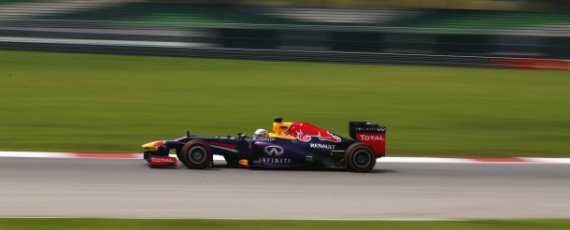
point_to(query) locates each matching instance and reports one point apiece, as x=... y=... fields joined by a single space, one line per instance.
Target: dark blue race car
x=291 y=145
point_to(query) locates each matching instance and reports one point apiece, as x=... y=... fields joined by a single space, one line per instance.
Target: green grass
x=122 y=224
x=107 y=103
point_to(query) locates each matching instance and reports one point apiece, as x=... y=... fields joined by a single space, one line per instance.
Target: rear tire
x=196 y=154
x=360 y=157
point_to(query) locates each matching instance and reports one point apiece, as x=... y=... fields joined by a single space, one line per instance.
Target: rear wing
x=371 y=134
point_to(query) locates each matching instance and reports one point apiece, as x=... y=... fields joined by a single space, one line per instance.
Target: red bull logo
x=305 y=132
x=159 y=144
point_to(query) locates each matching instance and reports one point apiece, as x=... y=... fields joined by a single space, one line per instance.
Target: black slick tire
x=360 y=157
x=196 y=154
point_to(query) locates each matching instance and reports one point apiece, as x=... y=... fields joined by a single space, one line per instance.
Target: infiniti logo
x=273 y=150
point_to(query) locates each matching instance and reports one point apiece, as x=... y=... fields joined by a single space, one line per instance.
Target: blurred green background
x=111 y=103
x=425 y=15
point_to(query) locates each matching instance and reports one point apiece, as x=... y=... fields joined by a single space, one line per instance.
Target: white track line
x=34 y=154
x=512 y=160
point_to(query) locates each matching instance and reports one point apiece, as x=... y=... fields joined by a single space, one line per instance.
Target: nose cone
x=149 y=145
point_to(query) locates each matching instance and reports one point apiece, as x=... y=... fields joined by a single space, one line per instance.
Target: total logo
x=364 y=137
x=274 y=150
x=161 y=160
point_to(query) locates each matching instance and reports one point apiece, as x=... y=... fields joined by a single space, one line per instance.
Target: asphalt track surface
x=123 y=188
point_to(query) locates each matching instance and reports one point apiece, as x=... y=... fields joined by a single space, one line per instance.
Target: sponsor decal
x=370 y=137
x=274 y=150
x=322 y=146
x=275 y=160
x=381 y=129
x=307 y=132
x=266 y=139
x=161 y=160
x=159 y=144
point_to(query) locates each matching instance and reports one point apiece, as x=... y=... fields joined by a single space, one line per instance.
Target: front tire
x=196 y=154
x=360 y=157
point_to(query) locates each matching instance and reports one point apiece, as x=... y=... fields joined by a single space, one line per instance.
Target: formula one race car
x=292 y=145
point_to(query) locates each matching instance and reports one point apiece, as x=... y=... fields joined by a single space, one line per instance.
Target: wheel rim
x=197 y=154
x=361 y=159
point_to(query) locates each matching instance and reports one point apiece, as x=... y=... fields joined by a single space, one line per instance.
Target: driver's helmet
x=260 y=133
